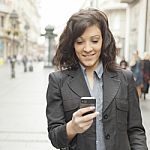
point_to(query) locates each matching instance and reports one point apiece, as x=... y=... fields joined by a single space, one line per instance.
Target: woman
x=86 y=59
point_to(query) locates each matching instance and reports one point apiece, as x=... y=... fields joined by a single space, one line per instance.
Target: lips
x=88 y=55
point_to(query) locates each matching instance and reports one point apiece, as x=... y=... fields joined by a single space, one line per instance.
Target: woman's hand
x=80 y=122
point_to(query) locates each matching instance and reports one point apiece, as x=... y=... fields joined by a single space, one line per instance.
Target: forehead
x=91 y=31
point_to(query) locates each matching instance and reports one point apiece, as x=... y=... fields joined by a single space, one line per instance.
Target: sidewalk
x=23 y=124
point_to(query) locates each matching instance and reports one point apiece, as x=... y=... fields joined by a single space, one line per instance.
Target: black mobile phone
x=87 y=102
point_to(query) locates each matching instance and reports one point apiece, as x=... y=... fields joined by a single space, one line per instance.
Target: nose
x=87 y=47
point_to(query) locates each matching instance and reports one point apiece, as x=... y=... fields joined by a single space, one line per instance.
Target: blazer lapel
x=78 y=84
x=111 y=86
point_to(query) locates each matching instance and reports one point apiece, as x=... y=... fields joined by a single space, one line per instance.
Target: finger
x=82 y=111
x=89 y=117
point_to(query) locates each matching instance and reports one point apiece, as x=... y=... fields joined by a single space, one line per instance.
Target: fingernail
x=97 y=113
x=92 y=107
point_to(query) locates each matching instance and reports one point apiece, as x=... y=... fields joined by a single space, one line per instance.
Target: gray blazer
x=123 y=129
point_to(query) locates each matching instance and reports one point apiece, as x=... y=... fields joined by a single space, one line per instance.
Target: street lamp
x=50 y=36
x=14 y=25
x=13 y=18
x=26 y=27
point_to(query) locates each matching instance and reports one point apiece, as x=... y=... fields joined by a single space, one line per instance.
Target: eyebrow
x=93 y=36
x=96 y=36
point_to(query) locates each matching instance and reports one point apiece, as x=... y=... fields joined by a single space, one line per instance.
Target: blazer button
x=105 y=116
x=107 y=137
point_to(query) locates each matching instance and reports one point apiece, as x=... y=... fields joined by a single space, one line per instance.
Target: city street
x=23 y=124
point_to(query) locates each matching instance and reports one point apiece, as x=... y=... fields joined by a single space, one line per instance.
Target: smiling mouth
x=88 y=55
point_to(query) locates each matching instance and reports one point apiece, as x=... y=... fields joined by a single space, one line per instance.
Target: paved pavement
x=23 y=123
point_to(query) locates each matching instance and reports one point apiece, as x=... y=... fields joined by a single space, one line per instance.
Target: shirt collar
x=99 y=70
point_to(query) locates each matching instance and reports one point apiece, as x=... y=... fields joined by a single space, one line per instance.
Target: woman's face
x=88 y=47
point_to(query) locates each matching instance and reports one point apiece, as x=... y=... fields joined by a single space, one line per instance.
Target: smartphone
x=87 y=102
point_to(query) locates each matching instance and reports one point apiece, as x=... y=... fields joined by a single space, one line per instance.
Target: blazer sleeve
x=136 y=131
x=55 y=113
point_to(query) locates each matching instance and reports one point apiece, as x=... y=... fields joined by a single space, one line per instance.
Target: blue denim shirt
x=97 y=92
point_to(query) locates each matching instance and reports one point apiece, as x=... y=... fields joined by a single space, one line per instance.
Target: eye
x=95 y=41
x=79 y=42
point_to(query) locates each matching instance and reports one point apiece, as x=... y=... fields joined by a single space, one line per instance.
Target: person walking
x=136 y=68
x=146 y=74
x=25 y=61
x=12 y=65
x=85 y=59
x=124 y=64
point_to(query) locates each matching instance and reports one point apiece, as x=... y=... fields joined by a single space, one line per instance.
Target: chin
x=88 y=64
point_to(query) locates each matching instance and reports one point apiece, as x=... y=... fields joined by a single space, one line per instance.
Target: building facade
x=137 y=27
x=20 y=38
x=4 y=9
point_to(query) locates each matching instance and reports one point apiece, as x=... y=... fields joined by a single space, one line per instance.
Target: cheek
x=98 y=47
x=77 y=50
x=98 y=50
x=77 y=53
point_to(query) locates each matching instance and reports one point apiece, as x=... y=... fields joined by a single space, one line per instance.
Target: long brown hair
x=65 y=55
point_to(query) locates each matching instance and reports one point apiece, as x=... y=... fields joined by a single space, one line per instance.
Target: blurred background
x=29 y=33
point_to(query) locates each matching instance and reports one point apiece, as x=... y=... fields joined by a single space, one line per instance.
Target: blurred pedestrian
x=30 y=60
x=146 y=74
x=25 y=61
x=85 y=58
x=136 y=68
x=123 y=64
x=12 y=65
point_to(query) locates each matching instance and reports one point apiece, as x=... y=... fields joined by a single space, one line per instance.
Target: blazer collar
x=111 y=85
x=78 y=84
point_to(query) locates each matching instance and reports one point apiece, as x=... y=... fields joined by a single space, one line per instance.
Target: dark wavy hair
x=65 y=57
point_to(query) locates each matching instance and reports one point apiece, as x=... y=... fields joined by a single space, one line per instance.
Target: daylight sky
x=57 y=12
